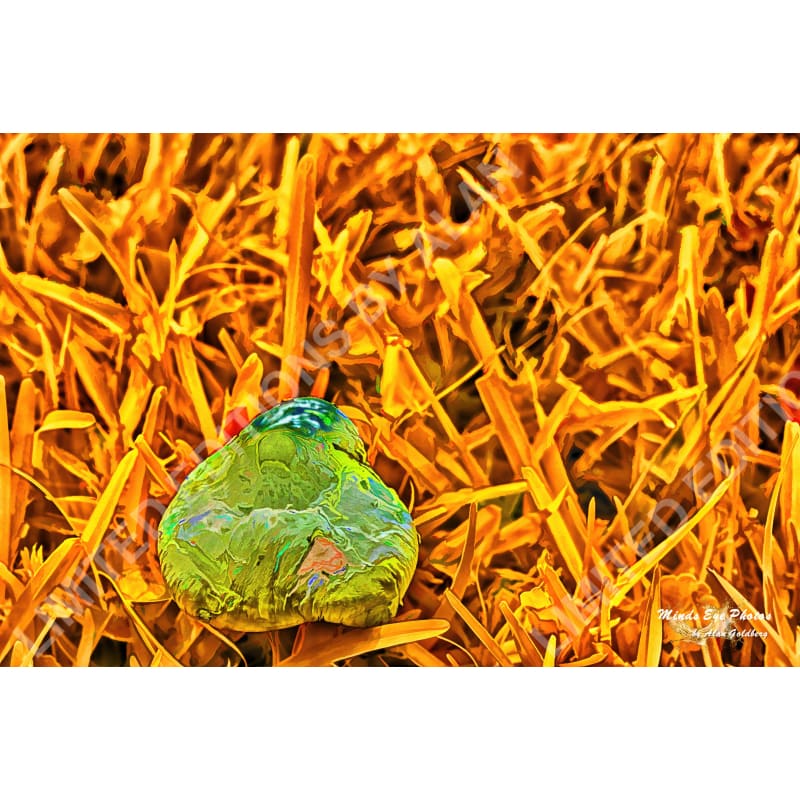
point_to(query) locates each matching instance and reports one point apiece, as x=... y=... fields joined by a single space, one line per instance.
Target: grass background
x=549 y=339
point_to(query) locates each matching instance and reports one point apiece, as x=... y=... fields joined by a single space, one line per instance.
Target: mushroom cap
x=288 y=523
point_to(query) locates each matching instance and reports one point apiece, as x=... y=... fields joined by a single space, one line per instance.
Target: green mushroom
x=288 y=523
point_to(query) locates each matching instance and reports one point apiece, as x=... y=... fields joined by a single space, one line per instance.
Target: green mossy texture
x=234 y=538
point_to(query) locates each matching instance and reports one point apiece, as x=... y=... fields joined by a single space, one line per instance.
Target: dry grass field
x=573 y=356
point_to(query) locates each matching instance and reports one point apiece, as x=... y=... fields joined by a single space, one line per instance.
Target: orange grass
x=567 y=353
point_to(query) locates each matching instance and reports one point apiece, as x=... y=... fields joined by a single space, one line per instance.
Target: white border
x=359 y=65
x=401 y=732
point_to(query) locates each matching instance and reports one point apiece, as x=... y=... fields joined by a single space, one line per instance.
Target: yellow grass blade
x=649 y=653
x=47 y=577
x=420 y=656
x=550 y=652
x=98 y=388
x=589 y=661
x=631 y=576
x=555 y=521
x=87 y=641
x=298 y=275
x=786 y=649
x=11 y=581
x=357 y=642
x=223 y=638
x=100 y=520
x=65 y=419
x=528 y=653
x=156 y=468
x=187 y=367
x=95 y=230
x=447 y=502
x=106 y=312
x=462 y=575
x=151 y=643
x=5 y=479
x=483 y=635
